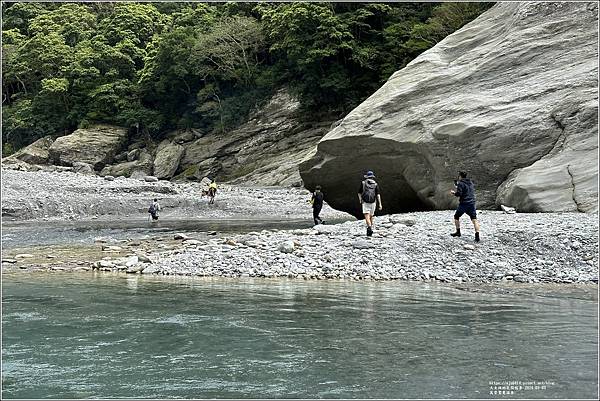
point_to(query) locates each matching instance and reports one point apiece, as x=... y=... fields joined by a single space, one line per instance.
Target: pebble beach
x=519 y=247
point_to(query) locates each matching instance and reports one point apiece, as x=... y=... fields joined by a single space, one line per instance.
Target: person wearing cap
x=465 y=191
x=369 y=197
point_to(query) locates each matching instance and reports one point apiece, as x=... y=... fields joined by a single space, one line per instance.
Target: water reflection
x=136 y=336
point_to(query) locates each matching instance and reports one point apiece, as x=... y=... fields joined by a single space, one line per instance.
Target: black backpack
x=152 y=209
x=369 y=191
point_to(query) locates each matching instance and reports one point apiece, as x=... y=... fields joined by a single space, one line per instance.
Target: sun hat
x=369 y=174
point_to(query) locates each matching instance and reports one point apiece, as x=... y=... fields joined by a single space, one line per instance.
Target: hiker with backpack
x=465 y=190
x=317 y=204
x=154 y=209
x=369 y=197
x=212 y=191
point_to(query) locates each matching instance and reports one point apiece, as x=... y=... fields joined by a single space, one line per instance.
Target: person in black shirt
x=465 y=190
x=317 y=204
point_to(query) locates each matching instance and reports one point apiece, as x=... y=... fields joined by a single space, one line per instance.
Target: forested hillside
x=154 y=67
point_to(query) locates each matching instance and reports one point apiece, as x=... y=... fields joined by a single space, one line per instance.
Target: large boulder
x=166 y=161
x=96 y=145
x=512 y=98
x=35 y=153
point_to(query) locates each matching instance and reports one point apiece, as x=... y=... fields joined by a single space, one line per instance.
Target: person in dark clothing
x=317 y=204
x=465 y=191
x=154 y=209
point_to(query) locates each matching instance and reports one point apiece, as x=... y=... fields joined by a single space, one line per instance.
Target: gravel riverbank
x=44 y=195
x=527 y=248
x=522 y=248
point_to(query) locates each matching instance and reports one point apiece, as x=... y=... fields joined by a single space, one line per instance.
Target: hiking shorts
x=468 y=208
x=369 y=208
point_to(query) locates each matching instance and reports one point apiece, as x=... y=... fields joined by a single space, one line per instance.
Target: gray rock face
x=36 y=153
x=83 y=168
x=143 y=165
x=511 y=98
x=166 y=161
x=265 y=150
x=96 y=146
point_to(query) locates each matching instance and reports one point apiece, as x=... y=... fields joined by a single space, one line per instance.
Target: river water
x=99 y=335
x=42 y=233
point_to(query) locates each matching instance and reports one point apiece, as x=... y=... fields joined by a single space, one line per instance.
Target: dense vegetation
x=158 y=66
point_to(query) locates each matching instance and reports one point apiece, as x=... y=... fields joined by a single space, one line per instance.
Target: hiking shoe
x=476 y=237
x=456 y=234
x=369 y=231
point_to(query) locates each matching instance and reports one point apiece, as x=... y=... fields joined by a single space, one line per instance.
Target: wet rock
x=521 y=279
x=6 y=260
x=180 y=236
x=150 y=178
x=104 y=263
x=469 y=247
x=136 y=269
x=151 y=270
x=109 y=178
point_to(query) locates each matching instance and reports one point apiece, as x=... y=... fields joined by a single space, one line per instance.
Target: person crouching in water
x=465 y=190
x=154 y=209
x=317 y=204
x=368 y=195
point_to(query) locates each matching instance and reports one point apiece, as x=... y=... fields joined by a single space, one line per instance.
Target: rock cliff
x=512 y=98
x=266 y=150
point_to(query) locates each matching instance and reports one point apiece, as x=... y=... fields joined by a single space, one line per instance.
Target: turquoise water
x=108 y=336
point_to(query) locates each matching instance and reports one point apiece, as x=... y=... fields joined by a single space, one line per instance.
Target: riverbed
x=104 y=335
